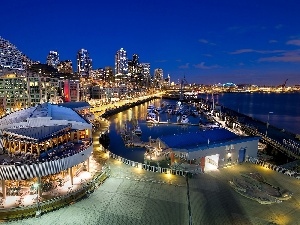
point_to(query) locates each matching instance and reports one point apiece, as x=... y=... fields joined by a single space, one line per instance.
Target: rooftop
x=75 y=105
x=56 y=112
x=38 y=133
x=199 y=139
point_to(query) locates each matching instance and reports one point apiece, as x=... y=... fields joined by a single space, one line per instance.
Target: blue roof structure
x=75 y=105
x=64 y=113
x=199 y=138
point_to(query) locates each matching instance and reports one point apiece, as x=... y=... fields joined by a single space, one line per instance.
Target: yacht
x=184 y=119
x=208 y=125
x=195 y=112
x=158 y=110
x=150 y=108
x=137 y=130
x=151 y=117
x=170 y=111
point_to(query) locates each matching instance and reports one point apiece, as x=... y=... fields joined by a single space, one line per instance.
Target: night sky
x=208 y=41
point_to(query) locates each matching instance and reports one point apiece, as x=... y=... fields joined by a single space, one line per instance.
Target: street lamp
x=38 y=211
x=268 y=122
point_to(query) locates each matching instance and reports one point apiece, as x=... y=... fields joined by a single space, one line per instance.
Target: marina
x=199 y=113
x=147 y=147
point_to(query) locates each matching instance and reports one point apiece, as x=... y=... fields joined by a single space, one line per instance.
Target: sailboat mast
x=213 y=100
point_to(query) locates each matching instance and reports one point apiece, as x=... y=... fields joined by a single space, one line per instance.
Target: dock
x=277 y=138
x=172 y=123
x=130 y=139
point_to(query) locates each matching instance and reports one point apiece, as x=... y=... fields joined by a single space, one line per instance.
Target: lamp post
x=268 y=122
x=38 y=211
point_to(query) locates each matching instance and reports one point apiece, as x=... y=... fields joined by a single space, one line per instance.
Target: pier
x=279 y=139
x=167 y=122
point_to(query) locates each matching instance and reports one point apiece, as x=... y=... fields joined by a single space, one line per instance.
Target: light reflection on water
x=139 y=113
x=285 y=107
x=286 y=116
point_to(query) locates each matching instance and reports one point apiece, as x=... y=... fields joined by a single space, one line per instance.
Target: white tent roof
x=55 y=112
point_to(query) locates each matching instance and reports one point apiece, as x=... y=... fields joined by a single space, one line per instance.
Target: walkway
x=134 y=196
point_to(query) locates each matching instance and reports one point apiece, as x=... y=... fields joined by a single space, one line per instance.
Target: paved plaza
x=134 y=196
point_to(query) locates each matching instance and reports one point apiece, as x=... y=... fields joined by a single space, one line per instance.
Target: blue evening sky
x=208 y=41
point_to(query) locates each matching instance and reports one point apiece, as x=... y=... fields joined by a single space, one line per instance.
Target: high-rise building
x=65 y=66
x=121 y=66
x=158 y=77
x=146 y=74
x=71 y=90
x=97 y=74
x=53 y=59
x=133 y=65
x=109 y=75
x=84 y=63
x=11 y=57
x=135 y=60
x=167 y=81
x=22 y=91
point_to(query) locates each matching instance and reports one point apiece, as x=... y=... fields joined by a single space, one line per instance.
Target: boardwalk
x=133 y=196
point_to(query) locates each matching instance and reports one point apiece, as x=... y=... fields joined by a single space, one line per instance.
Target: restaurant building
x=42 y=144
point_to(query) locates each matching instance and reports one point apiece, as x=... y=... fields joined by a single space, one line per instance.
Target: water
x=285 y=107
x=139 y=113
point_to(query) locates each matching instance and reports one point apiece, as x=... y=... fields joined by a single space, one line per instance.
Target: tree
x=2 y=110
x=17 y=105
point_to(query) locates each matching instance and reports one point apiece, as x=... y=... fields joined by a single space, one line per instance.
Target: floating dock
x=166 y=122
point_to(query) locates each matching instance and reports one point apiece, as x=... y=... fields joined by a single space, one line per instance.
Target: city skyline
x=207 y=42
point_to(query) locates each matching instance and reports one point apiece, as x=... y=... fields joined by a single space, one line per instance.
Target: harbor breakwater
x=112 y=111
x=279 y=139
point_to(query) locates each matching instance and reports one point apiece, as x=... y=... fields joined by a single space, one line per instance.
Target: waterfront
x=285 y=107
x=144 y=194
x=138 y=113
x=118 y=121
x=133 y=196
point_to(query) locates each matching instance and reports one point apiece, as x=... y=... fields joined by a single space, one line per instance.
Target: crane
x=182 y=83
x=283 y=86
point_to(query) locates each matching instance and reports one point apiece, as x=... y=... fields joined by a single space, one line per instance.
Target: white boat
x=170 y=111
x=137 y=130
x=150 y=108
x=158 y=109
x=184 y=119
x=151 y=117
x=209 y=126
x=195 y=112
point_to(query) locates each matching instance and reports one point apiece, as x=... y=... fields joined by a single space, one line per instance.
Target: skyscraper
x=121 y=66
x=135 y=59
x=65 y=66
x=158 y=77
x=53 y=59
x=108 y=74
x=146 y=74
x=11 y=57
x=84 y=63
x=133 y=72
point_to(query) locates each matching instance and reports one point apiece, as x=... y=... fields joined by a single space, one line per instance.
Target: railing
x=287 y=147
x=56 y=202
x=149 y=167
x=271 y=166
